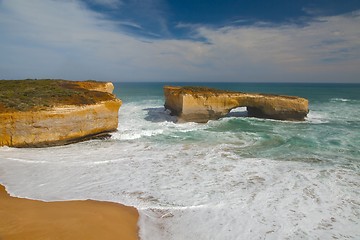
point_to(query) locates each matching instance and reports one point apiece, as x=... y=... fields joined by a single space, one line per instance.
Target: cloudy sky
x=181 y=40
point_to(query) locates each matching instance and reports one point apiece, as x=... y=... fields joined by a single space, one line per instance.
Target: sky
x=181 y=40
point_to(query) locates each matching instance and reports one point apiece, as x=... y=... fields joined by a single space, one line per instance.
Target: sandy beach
x=31 y=219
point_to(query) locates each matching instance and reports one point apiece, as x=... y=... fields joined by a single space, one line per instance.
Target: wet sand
x=31 y=219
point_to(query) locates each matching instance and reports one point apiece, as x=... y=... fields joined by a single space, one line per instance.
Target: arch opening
x=238 y=112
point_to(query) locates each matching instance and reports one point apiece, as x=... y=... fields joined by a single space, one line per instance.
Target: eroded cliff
x=37 y=113
x=198 y=104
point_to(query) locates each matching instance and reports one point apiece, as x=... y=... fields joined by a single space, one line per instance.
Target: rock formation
x=198 y=104
x=55 y=112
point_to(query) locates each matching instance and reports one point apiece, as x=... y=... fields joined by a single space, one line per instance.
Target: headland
x=40 y=113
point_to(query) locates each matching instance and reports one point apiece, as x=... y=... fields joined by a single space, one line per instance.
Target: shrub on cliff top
x=23 y=95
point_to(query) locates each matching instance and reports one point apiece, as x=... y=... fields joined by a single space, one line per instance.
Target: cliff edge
x=200 y=104
x=40 y=113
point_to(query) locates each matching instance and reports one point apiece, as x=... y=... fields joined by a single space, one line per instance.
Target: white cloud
x=64 y=39
x=114 y=4
x=332 y=41
x=130 y=24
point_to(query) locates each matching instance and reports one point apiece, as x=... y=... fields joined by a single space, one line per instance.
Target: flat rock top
x=26 y=95
x=196 y=90
x=207 y=92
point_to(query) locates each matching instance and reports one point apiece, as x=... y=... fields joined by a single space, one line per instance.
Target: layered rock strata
x=198 y=104
x=73 y=112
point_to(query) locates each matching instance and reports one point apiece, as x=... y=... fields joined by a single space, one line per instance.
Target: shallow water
x=235 y=178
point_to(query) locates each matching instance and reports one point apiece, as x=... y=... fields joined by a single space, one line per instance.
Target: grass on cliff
x=205 y=92
x=196 y=89
x=202 y=91
x=23 y=95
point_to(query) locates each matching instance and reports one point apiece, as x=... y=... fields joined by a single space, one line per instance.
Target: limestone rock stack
x=198 y=104
x=73 y=112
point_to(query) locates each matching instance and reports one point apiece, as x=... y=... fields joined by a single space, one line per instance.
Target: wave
x=316 y=117
x=340 y=100
x=344 y=100
x=26 y=160
x=132 y=135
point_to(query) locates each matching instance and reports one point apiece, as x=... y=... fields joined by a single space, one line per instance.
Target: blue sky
x=181 y=40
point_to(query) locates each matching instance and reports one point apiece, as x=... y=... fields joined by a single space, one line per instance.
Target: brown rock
x=91 y=111
x=197 y=104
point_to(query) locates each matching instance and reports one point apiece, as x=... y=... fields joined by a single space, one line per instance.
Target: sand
x=31 y=219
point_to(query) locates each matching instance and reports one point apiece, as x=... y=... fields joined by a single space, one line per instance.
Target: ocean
x=234 y=178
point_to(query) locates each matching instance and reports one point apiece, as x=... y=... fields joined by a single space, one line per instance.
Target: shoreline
x=23 y=218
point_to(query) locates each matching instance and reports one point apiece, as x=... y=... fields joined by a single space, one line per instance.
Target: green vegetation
x=206 y=92
x=202 y=91
x=24 y=95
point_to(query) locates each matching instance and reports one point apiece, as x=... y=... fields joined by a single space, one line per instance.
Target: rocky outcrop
x=95 y=86
x=88 y=110
x=198 y=104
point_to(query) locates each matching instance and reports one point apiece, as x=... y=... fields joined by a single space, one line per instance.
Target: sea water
x=234 y=178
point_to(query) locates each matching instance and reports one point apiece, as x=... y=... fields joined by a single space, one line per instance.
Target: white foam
x=340 y=100
x=288 y=204
x=131 y=135
x=317 y=117
x=26 y=160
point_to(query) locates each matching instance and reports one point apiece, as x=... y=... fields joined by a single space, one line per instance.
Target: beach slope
x=31 y=219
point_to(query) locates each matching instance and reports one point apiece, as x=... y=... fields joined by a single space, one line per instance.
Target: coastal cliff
x=39 y=113
x=199 y=104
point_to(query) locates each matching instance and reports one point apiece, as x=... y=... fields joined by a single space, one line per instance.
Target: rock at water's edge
x=92 y=111
x=198 y=104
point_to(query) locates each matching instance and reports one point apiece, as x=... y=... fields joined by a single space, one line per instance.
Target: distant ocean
x=234 y=178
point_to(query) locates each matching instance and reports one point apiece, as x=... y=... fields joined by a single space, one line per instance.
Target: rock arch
x=199 y=104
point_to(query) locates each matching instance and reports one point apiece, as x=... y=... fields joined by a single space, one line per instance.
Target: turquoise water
x=234 y=178
x=331 y=135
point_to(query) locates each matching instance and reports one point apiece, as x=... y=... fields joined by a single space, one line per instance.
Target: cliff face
x=76 y=119
x=203 y=104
